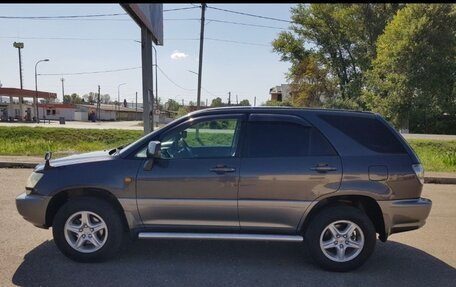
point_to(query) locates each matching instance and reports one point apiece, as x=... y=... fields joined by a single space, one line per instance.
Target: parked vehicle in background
x=330 y=178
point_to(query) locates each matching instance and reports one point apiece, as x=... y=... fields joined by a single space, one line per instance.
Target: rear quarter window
x=369 y=132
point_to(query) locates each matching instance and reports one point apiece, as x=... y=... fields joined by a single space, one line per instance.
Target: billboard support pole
x=147 y=79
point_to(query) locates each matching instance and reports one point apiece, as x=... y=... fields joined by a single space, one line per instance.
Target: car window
x=206 y=139
x=284 y=139
x=371 y=133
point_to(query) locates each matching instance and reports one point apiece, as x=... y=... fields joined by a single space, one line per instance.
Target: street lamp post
x=118 y=97
x=36 y=90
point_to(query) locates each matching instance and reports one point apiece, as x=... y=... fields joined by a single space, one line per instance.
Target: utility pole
x=206 y=103
x=200 y=68
x=19 y=46
x=63 y=88
x=229 y=98
x=98 y=103
x=254 y=102
x=237 y=103
x=182 y=102
x=136 y=117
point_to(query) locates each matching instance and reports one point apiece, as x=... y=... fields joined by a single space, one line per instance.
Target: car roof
x=292 y=110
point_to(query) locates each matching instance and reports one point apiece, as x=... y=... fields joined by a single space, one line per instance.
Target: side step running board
x=219 y=236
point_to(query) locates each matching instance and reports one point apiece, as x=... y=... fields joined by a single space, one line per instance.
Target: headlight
x=32 y=181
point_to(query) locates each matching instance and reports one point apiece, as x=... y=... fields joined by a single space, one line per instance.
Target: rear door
x=286 y=164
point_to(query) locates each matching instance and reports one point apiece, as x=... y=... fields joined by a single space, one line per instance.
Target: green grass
x=35 y=141
x=436 y=155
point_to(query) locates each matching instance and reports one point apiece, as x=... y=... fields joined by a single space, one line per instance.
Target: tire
x=93 y=246
x=351 y=251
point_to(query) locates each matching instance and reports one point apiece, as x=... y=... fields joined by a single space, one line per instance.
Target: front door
x=195 y=182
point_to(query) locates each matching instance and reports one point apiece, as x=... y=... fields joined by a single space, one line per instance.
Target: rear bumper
x=404 y=215
x=33 y=208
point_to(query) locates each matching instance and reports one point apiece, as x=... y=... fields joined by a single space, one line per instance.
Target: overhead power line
x=183 y=8
x=251 y=15
x=67 y=38
x=169 y=79
x=212 y=94
x=245 y=24
x=63 y=17
x=236 y=42
x=93 y=72
x=218 y=40
x=169 y=19
x=85 y=16
x=125 y=39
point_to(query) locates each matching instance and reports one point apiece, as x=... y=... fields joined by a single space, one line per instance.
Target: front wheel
x=88 y=229
x=340 y=238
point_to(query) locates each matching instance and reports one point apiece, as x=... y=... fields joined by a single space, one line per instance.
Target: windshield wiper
x=116 y=150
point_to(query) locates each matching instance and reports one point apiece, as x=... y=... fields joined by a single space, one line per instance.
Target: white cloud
x=176 y=55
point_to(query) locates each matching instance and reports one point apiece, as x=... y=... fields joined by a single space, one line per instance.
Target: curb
x=440 y=180
x=18 y=164
x=427 y=179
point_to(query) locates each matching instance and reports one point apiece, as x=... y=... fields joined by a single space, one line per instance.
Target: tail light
x=419 y=171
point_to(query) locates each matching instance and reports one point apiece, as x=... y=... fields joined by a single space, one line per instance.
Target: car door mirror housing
x=153 y=149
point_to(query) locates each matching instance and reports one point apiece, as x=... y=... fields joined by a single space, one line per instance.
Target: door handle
x=222 y=169
x=323 y=167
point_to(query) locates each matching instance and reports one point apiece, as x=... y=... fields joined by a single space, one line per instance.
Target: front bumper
x=33 y=208
x=404 y=215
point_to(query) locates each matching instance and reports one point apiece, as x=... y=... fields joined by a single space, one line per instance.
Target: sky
x=236 y=58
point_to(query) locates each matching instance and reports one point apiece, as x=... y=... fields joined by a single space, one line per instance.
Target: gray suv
x=332 y=179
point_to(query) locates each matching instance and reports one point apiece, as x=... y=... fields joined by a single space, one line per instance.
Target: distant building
x=112 y=112
x=279 y=93
x=17 y=104
x=54 y=111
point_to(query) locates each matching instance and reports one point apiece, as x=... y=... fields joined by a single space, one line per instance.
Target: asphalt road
x=29 y=257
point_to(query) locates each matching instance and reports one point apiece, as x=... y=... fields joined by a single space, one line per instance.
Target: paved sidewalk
x=32 y=161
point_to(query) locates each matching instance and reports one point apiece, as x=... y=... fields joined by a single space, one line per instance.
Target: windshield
x=144 y=139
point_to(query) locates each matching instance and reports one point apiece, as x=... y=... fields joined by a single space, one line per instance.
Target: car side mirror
x=153 y=149
x=152 y=152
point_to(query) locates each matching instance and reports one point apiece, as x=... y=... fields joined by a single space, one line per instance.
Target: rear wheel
x=88 y=229
x=340 y=238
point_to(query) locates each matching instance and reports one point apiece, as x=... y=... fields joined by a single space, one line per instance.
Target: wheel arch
x=59 y=199
x=364 y=203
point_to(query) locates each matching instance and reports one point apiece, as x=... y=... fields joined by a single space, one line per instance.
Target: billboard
x=150 y=16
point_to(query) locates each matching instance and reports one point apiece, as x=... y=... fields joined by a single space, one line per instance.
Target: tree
x=283 y=103
x=172 y=105
x=72 y=99
x=330 y=46
x=217 y=102
x=90 y=97
x=66 y=99
x=182 y=111
x=413 y=75
x=105 y=99
x=244 y=103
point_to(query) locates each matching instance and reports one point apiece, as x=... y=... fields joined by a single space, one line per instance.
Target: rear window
x=371 y=133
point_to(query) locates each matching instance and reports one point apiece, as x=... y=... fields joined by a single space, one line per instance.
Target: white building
x=280 y=93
